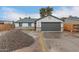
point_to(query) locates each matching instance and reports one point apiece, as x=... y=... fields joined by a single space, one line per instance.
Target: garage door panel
x=51 y=26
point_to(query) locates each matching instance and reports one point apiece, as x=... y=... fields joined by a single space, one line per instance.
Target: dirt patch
x=15 y=39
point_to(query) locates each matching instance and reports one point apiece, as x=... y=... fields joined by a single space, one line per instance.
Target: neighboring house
x=47 y=23
x=71 y=19
x=25 y=23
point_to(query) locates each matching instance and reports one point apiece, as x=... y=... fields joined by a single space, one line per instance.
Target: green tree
x=42 y=12
x=49 y=10
x=45 y=11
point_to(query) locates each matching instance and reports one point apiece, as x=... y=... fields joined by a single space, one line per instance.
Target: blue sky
x=26 y=9
x=14 y=12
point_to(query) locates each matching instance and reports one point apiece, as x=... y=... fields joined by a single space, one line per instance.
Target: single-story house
x=47 y=23
x=25 y=23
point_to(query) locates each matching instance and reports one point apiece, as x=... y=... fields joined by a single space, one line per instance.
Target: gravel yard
x=62 y=42
x=15 y=39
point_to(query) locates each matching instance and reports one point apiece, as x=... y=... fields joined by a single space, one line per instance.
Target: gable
x=50 y=19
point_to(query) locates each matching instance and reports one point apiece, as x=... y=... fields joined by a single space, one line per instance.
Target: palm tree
x=42 y=12
x=49 y=10
x=45 y=11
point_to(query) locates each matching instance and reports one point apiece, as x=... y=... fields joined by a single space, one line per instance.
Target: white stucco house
x=47 y=23
x=25 y=23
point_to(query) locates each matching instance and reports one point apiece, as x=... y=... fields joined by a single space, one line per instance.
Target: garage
x=49 y=23
x=50 y=26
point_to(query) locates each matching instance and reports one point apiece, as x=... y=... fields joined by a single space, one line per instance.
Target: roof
x=71 y=18
x=58 y=19
x=51 y=16
x=32 y=20
x=27 y=20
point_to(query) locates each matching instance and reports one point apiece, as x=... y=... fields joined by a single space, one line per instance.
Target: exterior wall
x=32 y=25
x=16 y=24
x=27 y=25
x=62 y=27
x=38 y=24
x=24 y=24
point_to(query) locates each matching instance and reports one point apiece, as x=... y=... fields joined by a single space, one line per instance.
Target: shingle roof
x=27 y=20
x=72 y=18
x=69 y=19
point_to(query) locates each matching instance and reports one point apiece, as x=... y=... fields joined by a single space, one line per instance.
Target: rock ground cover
x=15 y=39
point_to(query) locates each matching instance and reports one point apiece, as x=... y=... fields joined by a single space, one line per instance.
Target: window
x=20 y=24
x=29 y=24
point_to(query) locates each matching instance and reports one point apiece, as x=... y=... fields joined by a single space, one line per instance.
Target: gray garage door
x=51 y=26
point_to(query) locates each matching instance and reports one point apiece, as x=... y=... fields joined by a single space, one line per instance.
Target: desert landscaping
x=31 y=41
x=16 y=39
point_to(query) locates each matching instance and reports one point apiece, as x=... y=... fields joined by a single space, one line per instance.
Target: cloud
x=34 y=15
x=67 y=11
x=13 y=14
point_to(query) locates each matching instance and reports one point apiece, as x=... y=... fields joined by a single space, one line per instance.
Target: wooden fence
x=71 y=27
x=6 y=27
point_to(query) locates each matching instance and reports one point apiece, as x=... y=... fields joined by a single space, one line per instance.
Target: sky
x=12 y=13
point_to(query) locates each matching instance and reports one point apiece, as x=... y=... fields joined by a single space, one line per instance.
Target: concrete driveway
x=62 y=42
